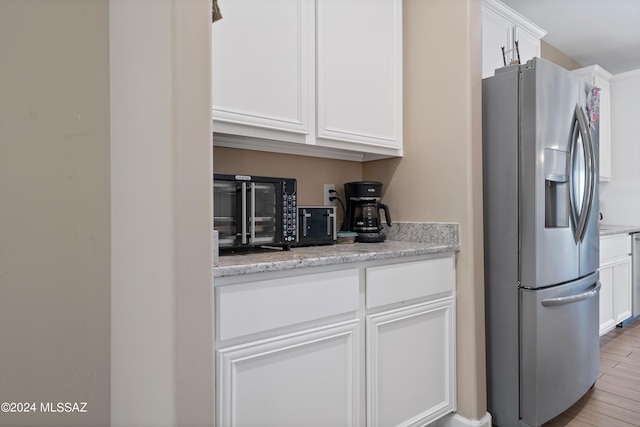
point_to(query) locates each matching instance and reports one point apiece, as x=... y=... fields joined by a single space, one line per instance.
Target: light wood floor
x=615 y=399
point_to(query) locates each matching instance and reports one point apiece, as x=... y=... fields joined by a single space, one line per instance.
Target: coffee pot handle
x=387 y=216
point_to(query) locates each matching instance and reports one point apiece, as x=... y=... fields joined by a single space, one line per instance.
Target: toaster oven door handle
x=244 y=214
x=329 y=227
x=253 y=212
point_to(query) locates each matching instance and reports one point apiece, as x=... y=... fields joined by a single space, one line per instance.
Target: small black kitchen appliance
x=362 y=212
x=254 y=211
x=316 y=225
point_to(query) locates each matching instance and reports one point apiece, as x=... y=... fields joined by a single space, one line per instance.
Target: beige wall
x=440 y=176
x=311 y=172
x=161 y=201
x=552 y=54
x=54 y=209
x=105 y=214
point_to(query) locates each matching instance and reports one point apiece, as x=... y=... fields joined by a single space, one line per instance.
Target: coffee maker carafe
x=363 y=210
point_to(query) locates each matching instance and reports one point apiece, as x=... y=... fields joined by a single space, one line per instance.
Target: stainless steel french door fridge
x=540 y=168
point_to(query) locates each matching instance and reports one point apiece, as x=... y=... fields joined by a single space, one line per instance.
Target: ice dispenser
x=556 y=197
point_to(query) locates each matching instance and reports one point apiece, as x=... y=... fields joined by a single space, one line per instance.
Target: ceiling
x=602 y=32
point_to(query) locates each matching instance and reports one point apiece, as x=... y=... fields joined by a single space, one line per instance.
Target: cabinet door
x=410 y=364
x=359 y=73
x=497 y=32
x=309 y=379
x=528 y=44
x=622 y=289
x=605 y=126
x=261 y=67
x=607 y=319
x=599 y=77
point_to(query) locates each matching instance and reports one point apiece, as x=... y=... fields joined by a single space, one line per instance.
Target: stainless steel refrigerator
x=540 y=169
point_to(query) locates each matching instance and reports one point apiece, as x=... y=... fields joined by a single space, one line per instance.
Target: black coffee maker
x=362 y=212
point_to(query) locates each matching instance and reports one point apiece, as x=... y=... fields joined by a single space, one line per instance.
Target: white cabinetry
x=503 y=27
x=319 y=79
x=288 y=350
x=615 y=278
x=291 y=347
x=305 y=379
x=261 y=68
x=360 y=73
x=599 y=77
x=410 y=349
x=409 y=364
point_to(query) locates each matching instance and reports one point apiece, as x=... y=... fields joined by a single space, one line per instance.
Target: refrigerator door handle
x=551 y=302
x=573 y=201
x=581 y=172
x=590 y=159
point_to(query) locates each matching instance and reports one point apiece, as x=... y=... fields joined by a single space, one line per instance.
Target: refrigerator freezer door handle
x=550 y=302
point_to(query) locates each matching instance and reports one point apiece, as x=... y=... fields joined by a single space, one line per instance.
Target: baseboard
x=457 y=420
x=629 y=320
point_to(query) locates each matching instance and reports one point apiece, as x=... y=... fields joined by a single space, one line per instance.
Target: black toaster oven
x=250 y=211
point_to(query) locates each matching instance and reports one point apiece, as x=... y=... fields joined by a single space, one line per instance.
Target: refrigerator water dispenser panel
x=556 y=193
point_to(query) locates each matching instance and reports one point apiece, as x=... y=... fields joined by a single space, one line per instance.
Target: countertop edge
x=311 y=259
x=612 y=229
x=404 y=240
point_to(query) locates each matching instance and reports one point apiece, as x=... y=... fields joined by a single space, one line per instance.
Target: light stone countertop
x=407 y=240
x=313 y=256
x=610 y=230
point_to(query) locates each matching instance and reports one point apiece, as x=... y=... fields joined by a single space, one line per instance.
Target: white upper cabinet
x=599 y=77
x=503 y=27
x=359 y=73
x=262 y=68
x=497 y=31
x=320 y=78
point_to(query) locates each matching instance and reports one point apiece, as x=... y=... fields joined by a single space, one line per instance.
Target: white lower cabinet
x=308 y=378
x=409 y=364
x=622 y=289
x=372 y=344
x=615 y=278
x=607 y=319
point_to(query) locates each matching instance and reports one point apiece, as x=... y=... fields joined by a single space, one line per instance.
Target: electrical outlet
x=327 y=194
